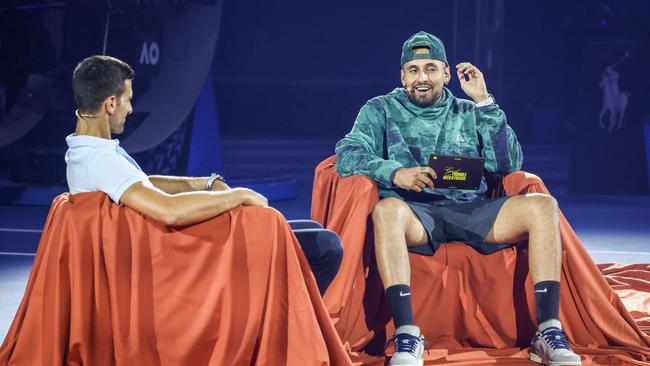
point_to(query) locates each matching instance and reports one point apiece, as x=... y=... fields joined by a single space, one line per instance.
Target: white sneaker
x=409 y=346
x=551 y=347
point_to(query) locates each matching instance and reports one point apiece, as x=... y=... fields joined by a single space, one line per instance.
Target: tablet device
x=457 y=172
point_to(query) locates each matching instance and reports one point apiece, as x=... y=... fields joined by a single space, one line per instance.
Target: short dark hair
x=97 y=78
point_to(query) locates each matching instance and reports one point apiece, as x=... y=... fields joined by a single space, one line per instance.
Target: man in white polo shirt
x=102 y=87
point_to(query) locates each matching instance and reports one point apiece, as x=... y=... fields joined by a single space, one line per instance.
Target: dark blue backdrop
x=296 y=69
x=305 y=68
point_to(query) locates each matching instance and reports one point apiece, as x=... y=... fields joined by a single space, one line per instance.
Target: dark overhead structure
x=170 y=44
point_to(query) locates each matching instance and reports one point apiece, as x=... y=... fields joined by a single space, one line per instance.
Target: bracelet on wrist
x=213 y=177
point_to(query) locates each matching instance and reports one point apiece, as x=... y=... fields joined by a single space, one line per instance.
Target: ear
x=110 y=104
x=447 y=75
x=401 y=77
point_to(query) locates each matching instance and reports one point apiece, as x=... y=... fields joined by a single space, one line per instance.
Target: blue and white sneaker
x=551 y=347
x=409 y=346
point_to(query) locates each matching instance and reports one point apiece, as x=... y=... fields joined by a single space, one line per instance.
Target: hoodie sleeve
x=501 y=148
x=362 y=150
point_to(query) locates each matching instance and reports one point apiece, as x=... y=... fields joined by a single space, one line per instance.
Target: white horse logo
x=614 y=100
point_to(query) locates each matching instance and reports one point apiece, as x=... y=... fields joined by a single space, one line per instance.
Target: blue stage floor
x=612 y=228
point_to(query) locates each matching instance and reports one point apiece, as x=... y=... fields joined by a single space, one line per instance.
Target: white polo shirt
x=100 y=165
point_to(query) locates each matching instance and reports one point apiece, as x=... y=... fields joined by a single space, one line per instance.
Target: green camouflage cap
x=424 y=40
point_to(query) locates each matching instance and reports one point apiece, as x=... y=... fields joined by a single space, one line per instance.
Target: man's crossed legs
x=322 y=249
x=400 y=226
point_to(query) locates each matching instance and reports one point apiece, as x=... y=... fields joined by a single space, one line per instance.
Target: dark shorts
x=469 y=222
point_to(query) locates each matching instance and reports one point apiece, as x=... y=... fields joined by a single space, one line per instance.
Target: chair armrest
x=514 y=183
x=521 y=182
x=360 y=184
x=333 y=194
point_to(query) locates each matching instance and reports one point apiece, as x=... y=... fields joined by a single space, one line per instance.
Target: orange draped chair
x=111 y=287
x=472 y=308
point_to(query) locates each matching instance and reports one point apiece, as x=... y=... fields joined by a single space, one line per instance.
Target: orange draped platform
x=474 y=308
x=109 y=287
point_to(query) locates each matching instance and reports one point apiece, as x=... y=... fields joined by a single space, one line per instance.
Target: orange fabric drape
x=110 y=287
x=472 y=308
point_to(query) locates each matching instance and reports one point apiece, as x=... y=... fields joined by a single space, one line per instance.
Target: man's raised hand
x=414 y=179
x=472 y=81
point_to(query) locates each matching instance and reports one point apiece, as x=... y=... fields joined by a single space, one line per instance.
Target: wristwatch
x=211 y=179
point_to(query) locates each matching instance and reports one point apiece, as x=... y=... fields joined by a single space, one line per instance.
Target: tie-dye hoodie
x=391 y=132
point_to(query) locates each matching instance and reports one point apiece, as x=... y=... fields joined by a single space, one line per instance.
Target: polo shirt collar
x=92 y=141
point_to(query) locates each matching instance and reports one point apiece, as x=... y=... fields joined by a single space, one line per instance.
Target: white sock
x=409 y=329
x=549 y=323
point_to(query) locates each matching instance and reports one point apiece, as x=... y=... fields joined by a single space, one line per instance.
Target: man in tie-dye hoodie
x=391 y=142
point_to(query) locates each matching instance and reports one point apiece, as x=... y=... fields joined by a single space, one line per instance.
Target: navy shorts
x=446 y=221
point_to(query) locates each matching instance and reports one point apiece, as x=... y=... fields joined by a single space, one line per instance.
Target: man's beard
x=420 y=101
